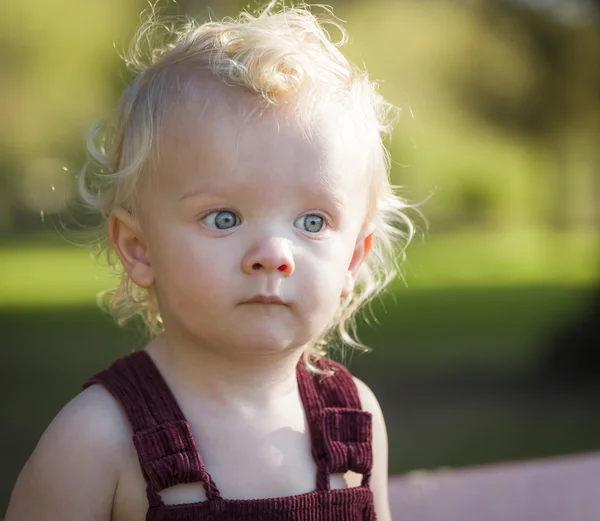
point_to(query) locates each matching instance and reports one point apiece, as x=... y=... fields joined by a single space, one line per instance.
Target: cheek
x=326 y=276
x=325 y=301
x=190 y=271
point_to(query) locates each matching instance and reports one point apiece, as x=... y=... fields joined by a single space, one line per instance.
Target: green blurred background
x=488 y=350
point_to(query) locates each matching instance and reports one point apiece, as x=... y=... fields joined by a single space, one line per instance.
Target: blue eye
x=221 y=220
x=310 y=223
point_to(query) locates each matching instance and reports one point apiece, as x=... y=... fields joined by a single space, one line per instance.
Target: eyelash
x=325 y=217
x=326 y=222
x=217 y=211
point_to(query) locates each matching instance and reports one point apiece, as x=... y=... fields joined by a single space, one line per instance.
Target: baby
x=245 y=193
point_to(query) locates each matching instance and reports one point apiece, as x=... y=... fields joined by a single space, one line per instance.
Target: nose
x=273 y=255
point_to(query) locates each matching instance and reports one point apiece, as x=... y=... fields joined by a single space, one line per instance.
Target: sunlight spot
x=184 y=493
x=348 y=480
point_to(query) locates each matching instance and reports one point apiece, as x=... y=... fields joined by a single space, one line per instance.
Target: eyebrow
x=338 y=199
x=193 y=193
x=319 y=193
x=322 y=191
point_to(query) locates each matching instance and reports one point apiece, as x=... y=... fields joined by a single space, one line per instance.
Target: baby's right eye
x=221 y=220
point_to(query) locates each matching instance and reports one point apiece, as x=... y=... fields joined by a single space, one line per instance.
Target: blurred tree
x=58 y=75
x=488 y=79
x=561 y=107
x=567 y=101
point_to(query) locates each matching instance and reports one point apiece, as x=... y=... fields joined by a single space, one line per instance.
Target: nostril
x=256 y=266
x=283 y=267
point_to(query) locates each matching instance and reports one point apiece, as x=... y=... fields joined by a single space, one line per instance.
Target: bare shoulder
x=369 y=403
x=74 y=469
x=379 y=478
x=368 y=399
x=92 y=422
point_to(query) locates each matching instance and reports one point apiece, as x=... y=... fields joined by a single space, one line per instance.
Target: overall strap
x=341 y=431
x=162 y=437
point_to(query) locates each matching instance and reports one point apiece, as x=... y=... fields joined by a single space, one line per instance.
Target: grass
x=504 y=328
x=48 y=272
x=50 y=276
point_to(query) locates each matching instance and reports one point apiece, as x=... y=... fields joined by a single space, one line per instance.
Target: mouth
x=265 y=299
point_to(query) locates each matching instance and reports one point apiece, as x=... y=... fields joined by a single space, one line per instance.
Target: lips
x=265 y=299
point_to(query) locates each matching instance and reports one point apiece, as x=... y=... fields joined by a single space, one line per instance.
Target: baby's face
x=252 y=228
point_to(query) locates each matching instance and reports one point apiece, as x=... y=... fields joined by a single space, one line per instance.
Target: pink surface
x=556 y=489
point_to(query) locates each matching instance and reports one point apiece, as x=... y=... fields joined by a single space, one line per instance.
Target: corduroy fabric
x=341 y=435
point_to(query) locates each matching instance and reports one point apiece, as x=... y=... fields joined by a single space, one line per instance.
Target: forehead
x=230 y=145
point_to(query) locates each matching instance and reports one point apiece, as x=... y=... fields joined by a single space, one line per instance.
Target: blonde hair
x=280 y=52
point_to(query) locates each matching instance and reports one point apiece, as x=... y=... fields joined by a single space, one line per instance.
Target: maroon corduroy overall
x=340 y=432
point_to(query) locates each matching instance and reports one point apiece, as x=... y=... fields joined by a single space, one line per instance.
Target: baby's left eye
x=311 y=223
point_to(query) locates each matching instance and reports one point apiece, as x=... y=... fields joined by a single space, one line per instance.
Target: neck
x=253 y=380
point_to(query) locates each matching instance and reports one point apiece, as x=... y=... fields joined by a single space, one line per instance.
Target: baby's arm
x=73 y=472
x=379 y=477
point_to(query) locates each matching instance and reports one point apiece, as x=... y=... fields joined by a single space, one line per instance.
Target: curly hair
x=279 y=52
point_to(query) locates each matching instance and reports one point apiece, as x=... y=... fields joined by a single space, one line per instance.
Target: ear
x=127 y=239
x=361 y=251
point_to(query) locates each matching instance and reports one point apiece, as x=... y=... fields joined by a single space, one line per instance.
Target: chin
x=260 y=340
x=265 y=344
